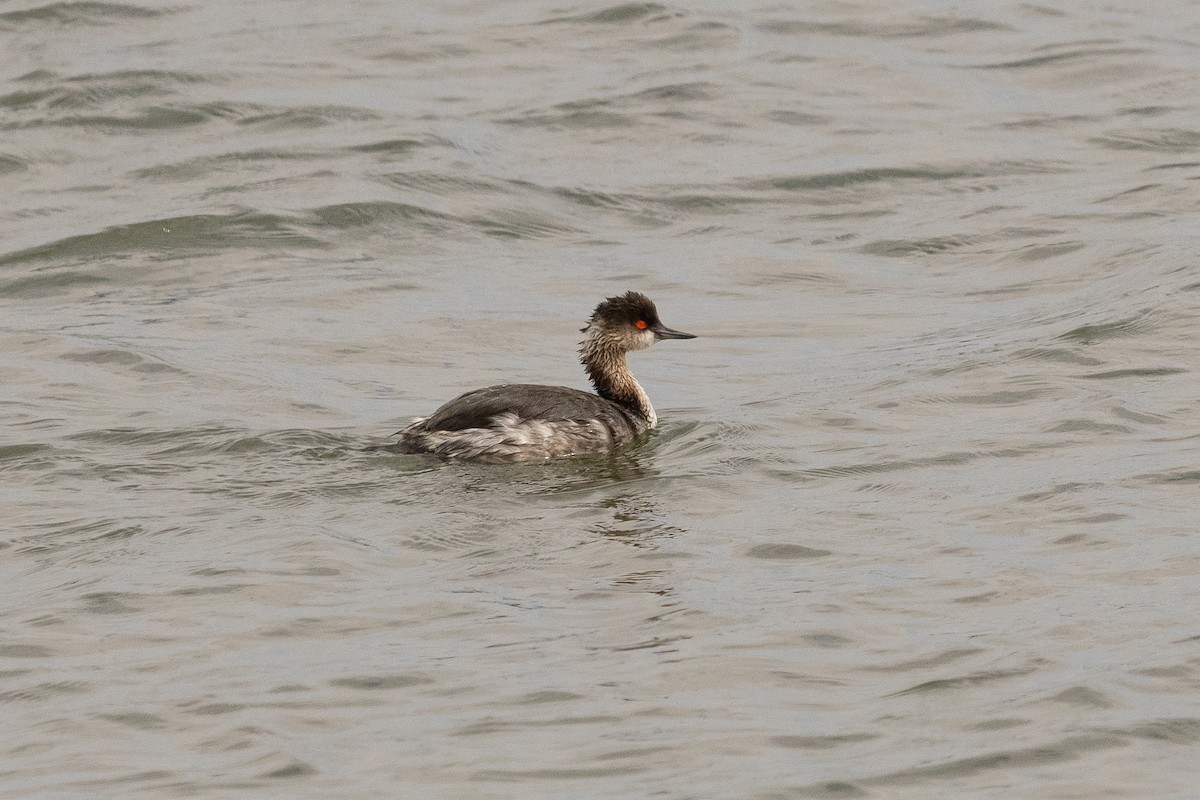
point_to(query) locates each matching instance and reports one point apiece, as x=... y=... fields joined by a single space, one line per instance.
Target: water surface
x=919 y=520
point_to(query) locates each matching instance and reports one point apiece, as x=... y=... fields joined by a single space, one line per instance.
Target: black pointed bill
x=663 y=332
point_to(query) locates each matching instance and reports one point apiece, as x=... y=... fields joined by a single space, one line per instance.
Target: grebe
x=530 y=422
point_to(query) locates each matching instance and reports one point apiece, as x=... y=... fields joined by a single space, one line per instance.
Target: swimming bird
x=531 y=422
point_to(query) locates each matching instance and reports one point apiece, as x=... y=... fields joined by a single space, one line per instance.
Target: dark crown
x=627 y=308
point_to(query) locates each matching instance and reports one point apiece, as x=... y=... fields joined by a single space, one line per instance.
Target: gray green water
x=919 y=521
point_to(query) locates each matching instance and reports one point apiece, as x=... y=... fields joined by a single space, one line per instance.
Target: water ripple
x=79 y=13
x=619 y=15
x=173 y=237
x=921 y=28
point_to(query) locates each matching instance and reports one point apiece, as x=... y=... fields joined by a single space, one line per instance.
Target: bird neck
x=609 y=372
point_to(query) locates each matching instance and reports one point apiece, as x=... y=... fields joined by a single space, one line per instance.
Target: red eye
x=640 y=324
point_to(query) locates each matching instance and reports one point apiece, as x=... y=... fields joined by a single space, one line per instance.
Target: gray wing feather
x=478 y=408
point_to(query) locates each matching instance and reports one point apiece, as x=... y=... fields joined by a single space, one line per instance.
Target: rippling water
x=919 y=520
